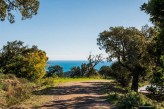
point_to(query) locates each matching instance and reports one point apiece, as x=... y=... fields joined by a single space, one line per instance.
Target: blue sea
x=67 y=65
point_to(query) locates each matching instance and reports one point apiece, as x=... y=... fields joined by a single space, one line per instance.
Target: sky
x=68 y=29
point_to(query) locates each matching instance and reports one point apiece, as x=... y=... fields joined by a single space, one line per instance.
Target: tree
x=22 y=61
x=105 y=71
x=27 y=9
x=75 y=72
x=155 y=8
x=120 y=74
x=56 y=70
x=129 y=46
x=34 y=68
x=87 y=69
x=84 y=69
x=93 y=60
x=10 y=54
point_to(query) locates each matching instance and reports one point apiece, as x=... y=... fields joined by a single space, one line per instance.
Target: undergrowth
x=131 y=100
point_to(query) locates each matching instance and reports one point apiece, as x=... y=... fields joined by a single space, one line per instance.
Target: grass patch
x=64 y=80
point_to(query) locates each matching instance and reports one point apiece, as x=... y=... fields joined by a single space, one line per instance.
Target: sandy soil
x=79 y=95
x=71 y=95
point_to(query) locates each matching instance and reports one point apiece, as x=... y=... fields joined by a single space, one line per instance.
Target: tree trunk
x=135 y=81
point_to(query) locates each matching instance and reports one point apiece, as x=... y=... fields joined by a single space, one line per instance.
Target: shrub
x=49 y=82
x=129 y=101
x=17 y=94
x=105 y=71
x=56 y=70
x=133 y=99
x=15 y=89
x=145 y=101
x=46 y=82
x=113 y=97
x=75 y=72
x=23 y=61
x=121 y=74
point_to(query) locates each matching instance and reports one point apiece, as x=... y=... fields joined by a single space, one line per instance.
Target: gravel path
x=79 y=95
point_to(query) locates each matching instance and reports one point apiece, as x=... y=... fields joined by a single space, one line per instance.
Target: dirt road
x=78 y=95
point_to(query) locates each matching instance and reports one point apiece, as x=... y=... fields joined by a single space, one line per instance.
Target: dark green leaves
x=27 y=9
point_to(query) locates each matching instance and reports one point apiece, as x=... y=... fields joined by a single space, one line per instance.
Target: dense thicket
x=105 y=71
x=15 y=58
x=55 y=71
x=121 y=74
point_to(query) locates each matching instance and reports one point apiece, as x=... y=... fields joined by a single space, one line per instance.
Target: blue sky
x=68 y=29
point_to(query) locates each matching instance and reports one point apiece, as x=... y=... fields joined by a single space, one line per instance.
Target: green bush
x=23 y=61
x=105 y=71
x=145 y=101
x=46 y=82
x=129 y=101
x=113 y=97
x=132 y=100
x=121 y=74
x=49 y=82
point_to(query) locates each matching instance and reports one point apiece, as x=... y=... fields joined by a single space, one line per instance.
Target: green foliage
x=46 y=82
x=55 y=71
x=132 y=100
x=129 y=46
x=105 y=71
x=129 y=101
x=87 y=70
x=27 y=9
x=145 y=101
x=75 y=72
x=22 y=61
x=113 y=97
x=36 y=62
x=155 y=9
x=158 y=81
x=121 y=74
x=93 y=60
x=84 y=69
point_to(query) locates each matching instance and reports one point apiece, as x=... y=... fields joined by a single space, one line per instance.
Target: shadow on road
x=86 y=95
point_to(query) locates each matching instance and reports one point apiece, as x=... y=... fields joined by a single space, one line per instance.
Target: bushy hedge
x=133 y=100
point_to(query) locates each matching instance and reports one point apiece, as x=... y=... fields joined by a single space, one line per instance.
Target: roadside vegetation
x=14 y=90
x=139 y=55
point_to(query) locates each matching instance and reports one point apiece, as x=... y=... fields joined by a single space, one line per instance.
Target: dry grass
x=39 y=99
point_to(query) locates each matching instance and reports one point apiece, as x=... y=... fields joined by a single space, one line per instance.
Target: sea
x=67 y=65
